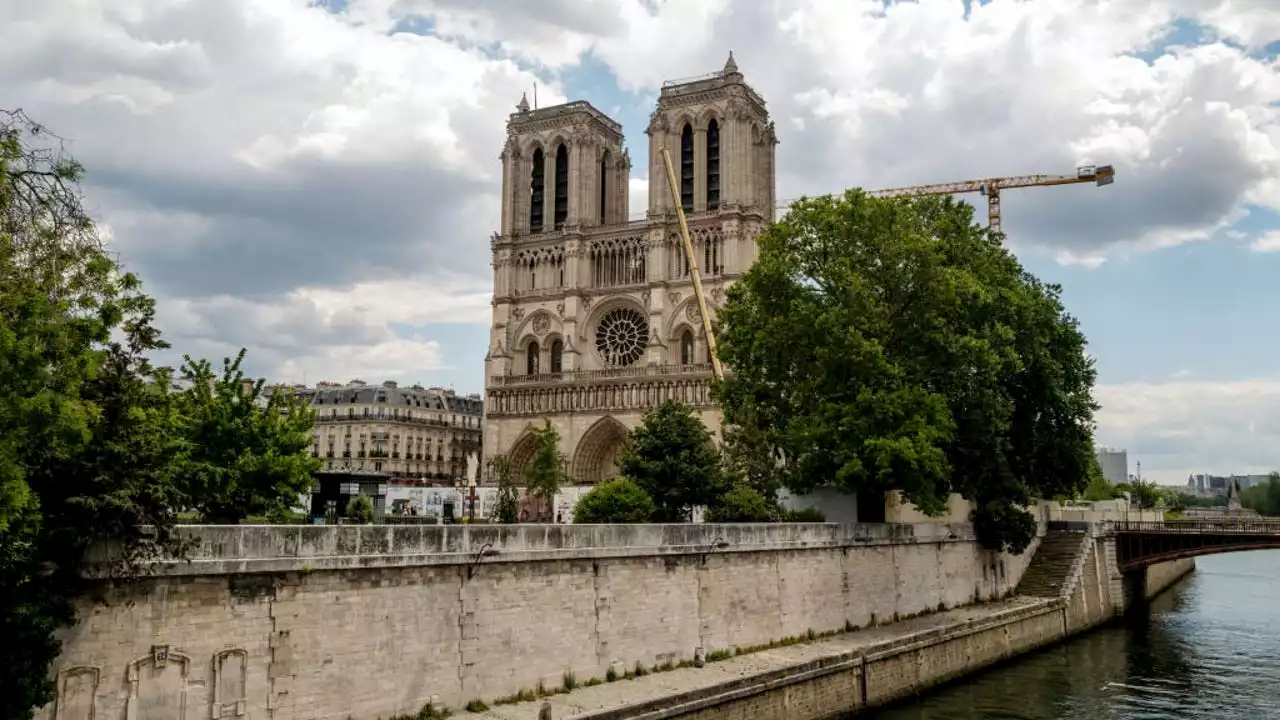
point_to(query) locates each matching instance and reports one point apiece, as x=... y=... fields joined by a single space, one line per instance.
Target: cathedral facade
x=594 y=315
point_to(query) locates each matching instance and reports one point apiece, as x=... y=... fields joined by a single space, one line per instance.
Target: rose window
x=621 y=336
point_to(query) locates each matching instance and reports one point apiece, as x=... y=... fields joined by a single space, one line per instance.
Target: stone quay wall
x=842 y=682
x=374 y=621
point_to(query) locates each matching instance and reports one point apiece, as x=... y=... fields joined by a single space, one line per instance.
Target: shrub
x=810 y=515
x=615 y=501
x=360 y=509
x=742 y=504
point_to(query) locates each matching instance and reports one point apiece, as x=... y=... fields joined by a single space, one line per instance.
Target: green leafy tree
x=1142 y=494
x=619 y=500
x=1264 y=498
x=893 y=344
x=507 y=508
x=248 y=451
x=749 y=458
x=546 y=468
x=87 y=435
x=360 y=509
x=673 y=458
x=1098 y=488
x=743 y=504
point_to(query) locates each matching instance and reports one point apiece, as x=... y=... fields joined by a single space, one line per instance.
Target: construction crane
x=991 y=187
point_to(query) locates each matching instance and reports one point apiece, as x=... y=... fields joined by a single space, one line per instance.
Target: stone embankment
x=294 y=623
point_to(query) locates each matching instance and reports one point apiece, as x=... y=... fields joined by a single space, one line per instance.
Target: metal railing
x=1200 y=527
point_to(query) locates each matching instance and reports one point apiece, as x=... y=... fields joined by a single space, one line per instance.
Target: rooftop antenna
x=535 y=96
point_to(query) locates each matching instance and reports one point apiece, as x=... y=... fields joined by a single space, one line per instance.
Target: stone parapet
x=233 y=549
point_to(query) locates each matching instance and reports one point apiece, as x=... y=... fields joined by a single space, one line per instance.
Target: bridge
x=1140 y=544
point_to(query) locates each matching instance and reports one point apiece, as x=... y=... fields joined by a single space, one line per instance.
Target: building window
x=713 y=165
x=562 y=185
x=531 y=361
x=604 y=185
x=621 y=336
x=686 y=348
x=557 y=353
x=686 y=168
x=538 y=196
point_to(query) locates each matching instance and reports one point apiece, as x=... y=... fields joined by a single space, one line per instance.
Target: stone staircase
x=1053 y=564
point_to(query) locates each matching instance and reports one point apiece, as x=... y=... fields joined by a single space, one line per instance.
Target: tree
x=546 y=469
x=1143 y=494
x=749 y=458
x=360 y=509
x=87 y=436
x=248 y=452
x=1264 y=498
x=743 y=504
x=673 y=458
x=619 y=500
x=1098 y=488
x=507 y=508
x=892 y=344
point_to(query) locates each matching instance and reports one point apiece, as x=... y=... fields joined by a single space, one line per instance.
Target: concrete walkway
x=655 y=686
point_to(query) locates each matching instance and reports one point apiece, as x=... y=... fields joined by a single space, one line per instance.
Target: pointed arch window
x=686 y=348
x=713 y=164
x=537 y=199
x=562 y=185
x=531 y=359
x=686 y=168
x=604 y=186
x=557 y=356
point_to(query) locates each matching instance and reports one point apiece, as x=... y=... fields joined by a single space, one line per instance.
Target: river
x=1208 y=649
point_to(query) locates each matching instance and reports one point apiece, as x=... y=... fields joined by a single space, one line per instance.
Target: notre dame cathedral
x=594 y=315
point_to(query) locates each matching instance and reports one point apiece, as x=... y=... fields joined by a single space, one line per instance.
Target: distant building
x=402 y=432
x=1114 y=464
x=1205 y=484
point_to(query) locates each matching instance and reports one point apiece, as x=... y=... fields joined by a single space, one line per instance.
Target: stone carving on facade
x=517 y=313
x=541 y=323
x=717 y=296
x=573 y=248
x=658 y=122
x=159 y=659
x=673 y=298
x=560 y=309
x=77 y=693
x=691 y=312
x=230 y=678
x=586 y=302
x=645 y=296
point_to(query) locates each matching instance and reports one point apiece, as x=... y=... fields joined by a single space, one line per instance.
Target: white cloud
x=294 y=179
x=1267 y=242
x=1066 y=257
x=1181 y=427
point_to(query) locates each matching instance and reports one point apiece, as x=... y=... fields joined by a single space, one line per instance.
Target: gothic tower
x=721 y=142
x=594 y=316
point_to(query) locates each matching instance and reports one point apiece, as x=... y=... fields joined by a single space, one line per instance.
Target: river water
x=1208 y=648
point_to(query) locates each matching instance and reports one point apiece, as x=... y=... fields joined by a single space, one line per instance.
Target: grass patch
x=570 y=681
x=477 y=706
x=611 y=674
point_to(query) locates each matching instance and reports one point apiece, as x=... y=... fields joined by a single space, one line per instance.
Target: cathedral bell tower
x=564 y=174
x=562 y=167
x=721 y=142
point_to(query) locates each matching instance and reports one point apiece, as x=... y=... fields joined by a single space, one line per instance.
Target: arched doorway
x=520 y=455
x=596 y=458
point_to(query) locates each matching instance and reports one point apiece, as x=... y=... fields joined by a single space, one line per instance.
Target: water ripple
x=1209 y=650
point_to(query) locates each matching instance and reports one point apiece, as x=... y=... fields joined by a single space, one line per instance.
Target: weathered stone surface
x=318 y=622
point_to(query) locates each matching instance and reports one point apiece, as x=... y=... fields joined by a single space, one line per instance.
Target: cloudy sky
x=317 y=181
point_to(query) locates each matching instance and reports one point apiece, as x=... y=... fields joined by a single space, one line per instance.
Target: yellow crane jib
x=991 y=187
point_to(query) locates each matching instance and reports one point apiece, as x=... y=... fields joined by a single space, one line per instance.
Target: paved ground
x=656 y=685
